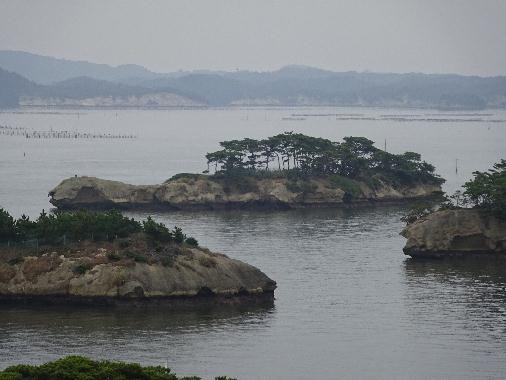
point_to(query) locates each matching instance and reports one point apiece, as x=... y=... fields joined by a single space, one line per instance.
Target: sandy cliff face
x=203 y=192
x=455 y=232
x=194 y=272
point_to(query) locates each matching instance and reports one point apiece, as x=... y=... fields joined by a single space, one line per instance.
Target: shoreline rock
x=455 y=233
x=99 y=273
x=200 y=192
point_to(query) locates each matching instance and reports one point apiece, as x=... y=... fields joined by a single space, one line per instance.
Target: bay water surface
x=349 y=304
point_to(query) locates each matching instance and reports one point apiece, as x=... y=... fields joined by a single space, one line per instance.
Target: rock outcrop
x=104 y=272
x=455 y=232
x=207 y=192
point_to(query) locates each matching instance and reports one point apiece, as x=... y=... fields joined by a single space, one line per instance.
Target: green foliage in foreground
x=80 y=368
x=65 y=226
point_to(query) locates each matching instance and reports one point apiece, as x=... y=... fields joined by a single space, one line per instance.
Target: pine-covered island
x=289 y=170
x=107 y=258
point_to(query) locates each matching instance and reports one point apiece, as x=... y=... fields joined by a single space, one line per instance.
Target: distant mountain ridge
x=16 y=90
x=12 y=86
x=48 y=70
x=55 y=81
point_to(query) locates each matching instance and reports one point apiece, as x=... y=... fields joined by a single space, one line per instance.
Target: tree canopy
x=354 y=157
x=487 y=190
x=58 y=227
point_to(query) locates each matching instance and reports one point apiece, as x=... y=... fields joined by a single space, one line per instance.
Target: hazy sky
x=467 y=37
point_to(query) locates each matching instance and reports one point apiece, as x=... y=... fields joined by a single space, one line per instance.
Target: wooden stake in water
x=385 y=145
x=456 y=166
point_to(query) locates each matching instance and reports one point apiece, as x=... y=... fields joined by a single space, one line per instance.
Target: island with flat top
x=289 y=170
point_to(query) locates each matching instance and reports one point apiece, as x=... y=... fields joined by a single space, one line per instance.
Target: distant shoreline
x=239 y=107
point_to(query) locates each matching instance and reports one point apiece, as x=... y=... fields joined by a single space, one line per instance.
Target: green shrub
x=374 y=182
x=72 y=226
x=247 y=185
x=191 y=241
x=140 y=259
x=179 y=236
x=242 y=182
x=120 y=277
x=293 y=186
x=301 y=186
x=113 y=256
x=136 y=256
x=185 y=176
x=17 y=260
x=80 y=368
x=167 y=261
x=123 y=244
x=349 y=186
x=66 y=226
x=487 y=190
x=417 y=212
x=82 y=268
x=156 y=231
x=207 y=261
x=7 y=226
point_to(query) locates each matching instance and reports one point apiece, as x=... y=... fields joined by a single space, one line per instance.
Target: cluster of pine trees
x=60 y=227
x=354 y=157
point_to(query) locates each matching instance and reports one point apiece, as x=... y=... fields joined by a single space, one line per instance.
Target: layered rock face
x=455 y=232
x=205 y=192
x=190 y=274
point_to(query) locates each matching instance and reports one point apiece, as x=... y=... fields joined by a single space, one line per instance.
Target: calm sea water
x=348 y=305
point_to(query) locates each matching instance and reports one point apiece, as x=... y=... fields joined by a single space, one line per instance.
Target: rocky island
x=454 y=230
x=284 y=171
x=88 y=257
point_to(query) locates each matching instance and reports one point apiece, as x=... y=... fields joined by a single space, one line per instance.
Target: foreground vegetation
x=486 y=191
x=80 y=368
x=295 y=154
x=71 y=226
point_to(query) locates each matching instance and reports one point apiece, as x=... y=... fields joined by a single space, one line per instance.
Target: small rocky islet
x=289 y=170
x=130 y=261
x=454 y=230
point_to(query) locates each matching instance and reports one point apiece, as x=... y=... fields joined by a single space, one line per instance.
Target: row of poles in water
x=7 y=130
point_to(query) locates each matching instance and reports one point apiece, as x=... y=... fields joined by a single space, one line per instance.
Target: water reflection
x=464 y=298
x=148 y=334
x=472 y=270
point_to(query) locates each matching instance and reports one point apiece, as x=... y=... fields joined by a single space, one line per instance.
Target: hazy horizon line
x=250 y=70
